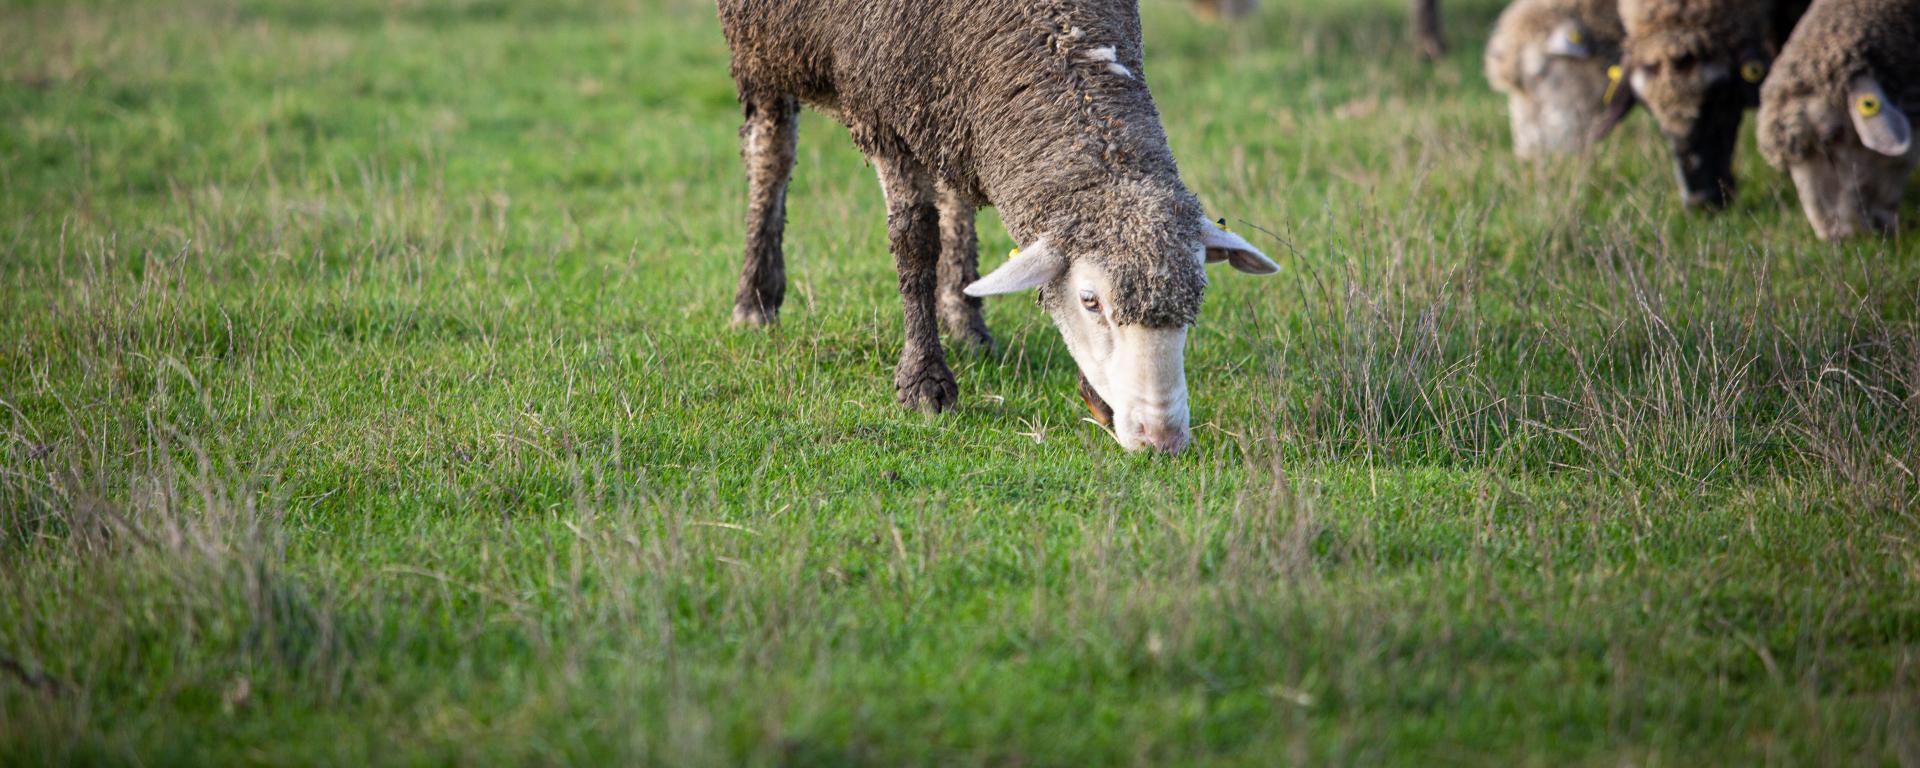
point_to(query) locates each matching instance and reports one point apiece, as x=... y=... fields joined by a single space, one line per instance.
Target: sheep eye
x=1090 y=301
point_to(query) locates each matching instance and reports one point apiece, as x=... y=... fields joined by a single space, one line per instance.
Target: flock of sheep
x=1041 y=109
x=1834 y=81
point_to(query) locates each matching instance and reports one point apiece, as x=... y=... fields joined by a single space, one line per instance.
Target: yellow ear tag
x=1868 y=106
x=1613 y=84
x=1753 y=72
x=1013 y=254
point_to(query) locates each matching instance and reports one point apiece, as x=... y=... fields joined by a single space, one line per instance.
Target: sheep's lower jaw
x=1703 y=156
x=1851 y=191
x=1102 y=412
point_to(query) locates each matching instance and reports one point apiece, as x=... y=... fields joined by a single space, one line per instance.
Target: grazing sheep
x=1550 y=57
x=1038 y=107
x=1698 y=65
x=1425 y=16
x=1835 y=112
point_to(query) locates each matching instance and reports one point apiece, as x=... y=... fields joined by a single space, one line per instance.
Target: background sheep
x=1550 y=57
x=1038 y=108
x=1835 y=112
x=1698 y=65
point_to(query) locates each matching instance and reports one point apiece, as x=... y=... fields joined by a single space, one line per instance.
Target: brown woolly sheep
x=1698 y=65
x=1835 y=112
x=1551 y=57
x=1037 y=107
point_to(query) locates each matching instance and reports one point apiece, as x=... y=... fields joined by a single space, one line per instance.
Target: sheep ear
x=1030 y=267
x=1233 y=249
x=1569 y=41
x=1881 y=125
x=1619 y=100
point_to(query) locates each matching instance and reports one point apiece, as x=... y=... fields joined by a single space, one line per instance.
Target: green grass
x=366 y=395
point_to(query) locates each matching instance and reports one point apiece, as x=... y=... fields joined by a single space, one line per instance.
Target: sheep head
x=1697 y=67
x=1125 y=320
x=1554 y=71
x=1849 y=152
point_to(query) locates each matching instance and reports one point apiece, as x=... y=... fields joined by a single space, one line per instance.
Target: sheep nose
x=1165 y=438
x=1706 y=200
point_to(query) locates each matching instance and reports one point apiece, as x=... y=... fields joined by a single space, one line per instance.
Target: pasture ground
x=366 y=396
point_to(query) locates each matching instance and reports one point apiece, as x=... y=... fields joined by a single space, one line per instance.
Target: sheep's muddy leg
x=767 y=142
x=922 y=380
x=959 y=267
x=1426 y=29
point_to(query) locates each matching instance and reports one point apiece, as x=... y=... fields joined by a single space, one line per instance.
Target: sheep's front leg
x=922 y=380
x=767 y=142
x=1426 y=29
x=959 y=268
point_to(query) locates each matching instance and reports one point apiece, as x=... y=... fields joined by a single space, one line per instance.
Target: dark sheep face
x=1703 y=149
x=1698 y=99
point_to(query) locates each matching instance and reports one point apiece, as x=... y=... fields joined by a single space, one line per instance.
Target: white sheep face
x=1133 y=377
x=1850 y=190
x=1137 y=374
x=1561 y=98
x=1853 y=184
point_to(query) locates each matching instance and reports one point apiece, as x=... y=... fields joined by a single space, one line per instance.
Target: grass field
x=366 y=396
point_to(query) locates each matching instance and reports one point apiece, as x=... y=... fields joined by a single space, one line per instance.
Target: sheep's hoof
x=746 y=316
x=928 y=388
